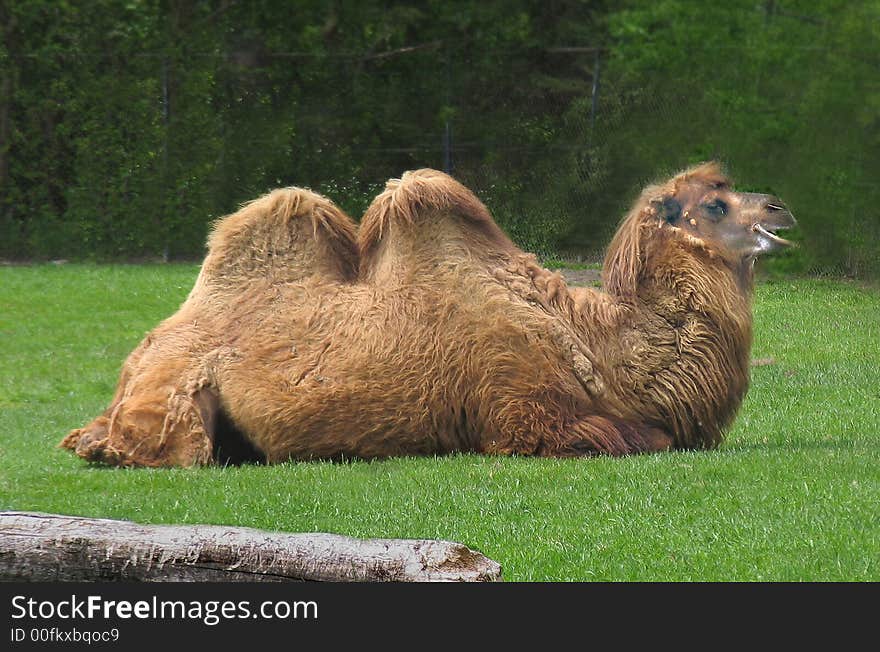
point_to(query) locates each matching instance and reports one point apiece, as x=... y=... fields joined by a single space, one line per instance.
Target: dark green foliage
x=126 y=128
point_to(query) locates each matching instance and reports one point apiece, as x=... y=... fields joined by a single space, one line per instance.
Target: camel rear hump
x=285 y=235
x=427 y=214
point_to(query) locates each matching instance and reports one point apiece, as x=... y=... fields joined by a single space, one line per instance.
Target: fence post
x=166 y=113
x=447 y=132
x=447 y=148
x=594 y=99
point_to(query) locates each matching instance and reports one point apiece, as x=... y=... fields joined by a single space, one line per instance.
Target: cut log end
x=52 y=547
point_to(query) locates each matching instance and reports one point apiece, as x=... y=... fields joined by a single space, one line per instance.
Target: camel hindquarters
x=166 y=411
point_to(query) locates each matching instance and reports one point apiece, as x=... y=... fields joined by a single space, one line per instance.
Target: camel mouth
x=769 y=239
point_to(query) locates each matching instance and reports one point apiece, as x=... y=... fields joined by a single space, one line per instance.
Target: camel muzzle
x=775 y=217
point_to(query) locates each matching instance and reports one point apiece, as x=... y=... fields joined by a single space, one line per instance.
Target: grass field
x=793 y=494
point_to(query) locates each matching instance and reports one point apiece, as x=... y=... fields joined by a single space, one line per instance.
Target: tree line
x=126 y=128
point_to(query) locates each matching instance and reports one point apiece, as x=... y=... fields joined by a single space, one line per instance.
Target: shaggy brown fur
x=449 y=338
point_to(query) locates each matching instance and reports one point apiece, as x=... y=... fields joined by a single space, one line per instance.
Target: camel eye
x=716 y=209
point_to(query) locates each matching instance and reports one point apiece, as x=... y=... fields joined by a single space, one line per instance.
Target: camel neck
x=681 y=351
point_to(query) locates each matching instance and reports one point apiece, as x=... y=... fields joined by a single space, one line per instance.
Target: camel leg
x=542 y=427
x=154 y=419
x=599 y=435
x=230 y=445
x=146 y=429
x=89 y=437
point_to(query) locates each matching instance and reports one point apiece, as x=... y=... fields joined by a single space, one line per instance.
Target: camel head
x=700 y=211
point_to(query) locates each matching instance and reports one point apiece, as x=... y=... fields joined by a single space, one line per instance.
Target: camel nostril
x=776 y=215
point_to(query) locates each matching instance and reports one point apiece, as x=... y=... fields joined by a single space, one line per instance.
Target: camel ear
x=668 y=209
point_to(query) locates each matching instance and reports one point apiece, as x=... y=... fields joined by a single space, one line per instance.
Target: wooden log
x=52 y=547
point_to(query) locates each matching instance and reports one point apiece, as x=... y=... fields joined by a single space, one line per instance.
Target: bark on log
x=52 y=547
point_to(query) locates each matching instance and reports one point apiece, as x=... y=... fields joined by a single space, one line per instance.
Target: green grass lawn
x=793 y=494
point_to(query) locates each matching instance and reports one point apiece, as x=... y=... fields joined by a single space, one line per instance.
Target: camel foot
x=92 y=443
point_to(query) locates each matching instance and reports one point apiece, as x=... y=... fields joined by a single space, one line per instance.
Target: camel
x=426 y=331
